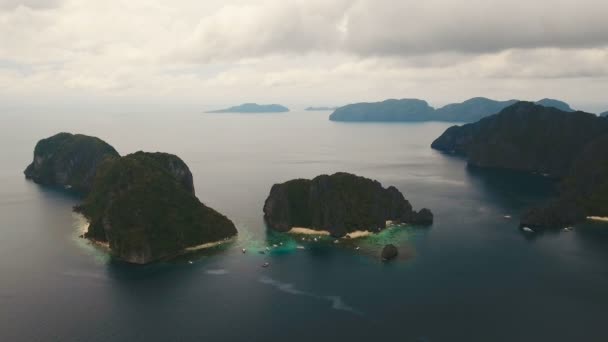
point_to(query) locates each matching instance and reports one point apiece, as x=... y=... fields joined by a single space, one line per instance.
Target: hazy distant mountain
x=388 y=110
x=561 y=105
x=320 y=108
x=471 y=110
x=253 y=108
x=605 y=114
x=417 y=110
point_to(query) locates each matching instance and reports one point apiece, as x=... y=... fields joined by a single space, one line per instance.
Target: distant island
x=604 y=114
x=414 y=110
x=311 y=109
x=253 y=108
x=570 y=146
x=338 y=205
x=141 y=206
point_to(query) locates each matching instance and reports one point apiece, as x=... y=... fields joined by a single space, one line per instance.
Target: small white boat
x=266 y=264
x=300 y=247
x=357 y=248
x=244 y=250
x=267 y=248
x=315 y=239
x=275 y=245
x=507 y=216
x=568 y=229
x=336 y=241
x=190 y=262
x=280 y=243
x=527 y=230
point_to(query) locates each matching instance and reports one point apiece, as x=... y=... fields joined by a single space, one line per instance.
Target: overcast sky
x=151 y=53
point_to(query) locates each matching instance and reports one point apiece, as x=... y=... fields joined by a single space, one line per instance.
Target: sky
x=150 y=54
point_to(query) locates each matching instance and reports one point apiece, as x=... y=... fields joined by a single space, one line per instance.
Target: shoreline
x=598 y=218
x=209 y=244
x=309 y=231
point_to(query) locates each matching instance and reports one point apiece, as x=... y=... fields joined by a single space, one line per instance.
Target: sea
x=471 y=276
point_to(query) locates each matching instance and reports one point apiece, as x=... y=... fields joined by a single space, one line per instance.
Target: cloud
x=32 y=4
x=216 y=52
x=396 y=28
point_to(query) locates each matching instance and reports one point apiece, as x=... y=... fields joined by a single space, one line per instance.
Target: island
x=604 y=114
x=143 y=208
x=338 y=205
x=312 y=109
x=388 y=110
x=568 y=146
x=68 y=161
x=253 y=108
x=411 y=110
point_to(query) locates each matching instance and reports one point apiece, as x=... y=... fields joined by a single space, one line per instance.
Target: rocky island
x=412 y=110
x=141 y=206
x=338 y=204
x=68 y=161
x=569 y=146
x=253 y=108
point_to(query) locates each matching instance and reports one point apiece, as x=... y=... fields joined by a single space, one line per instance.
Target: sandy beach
x=309 y=231
x=598 y=218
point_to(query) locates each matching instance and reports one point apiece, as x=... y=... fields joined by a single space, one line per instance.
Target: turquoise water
x=472 y=276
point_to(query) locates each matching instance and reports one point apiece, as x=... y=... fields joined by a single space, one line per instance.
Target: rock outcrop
x=339 y=203
x=69 y=161
x=143 y=206
x=389 y=252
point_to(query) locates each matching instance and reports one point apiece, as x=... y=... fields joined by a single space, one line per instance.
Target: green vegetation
x=340 y=203
x=145 y=212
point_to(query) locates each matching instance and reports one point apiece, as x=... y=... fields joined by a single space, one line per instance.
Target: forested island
x=141 y=206
x=339 y=204
x=569 y=146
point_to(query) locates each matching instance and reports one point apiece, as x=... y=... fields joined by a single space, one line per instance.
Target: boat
x=266 y=264
x=300 y=247
x=527 y=230
x=336 y=241
x=190 y=262
x=507 y=216
x=357 y=248
x=244 y=250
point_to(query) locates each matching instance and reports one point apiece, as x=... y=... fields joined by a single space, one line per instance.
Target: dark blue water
x=472 y=276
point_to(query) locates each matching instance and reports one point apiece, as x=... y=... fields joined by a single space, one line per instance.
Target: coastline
x=598 y=218
x=209 y=244
x=309 y=231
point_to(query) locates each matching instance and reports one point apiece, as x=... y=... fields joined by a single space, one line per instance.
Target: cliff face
x=144 y=206
x=570 y=146
x=525 y=137
x=68 y=160
x=340 y=203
